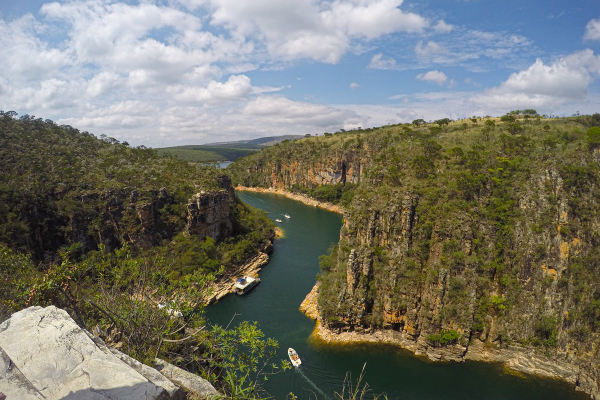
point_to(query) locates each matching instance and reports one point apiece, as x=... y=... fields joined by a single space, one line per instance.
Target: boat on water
x=278 y=220
x=243 y=285
x=294 y=358
x=287 y=216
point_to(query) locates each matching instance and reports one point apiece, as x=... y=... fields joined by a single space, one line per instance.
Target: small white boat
x=287 y=216
x=294 y=358
x=242 y=285
x=169 y=310
x=278 y=220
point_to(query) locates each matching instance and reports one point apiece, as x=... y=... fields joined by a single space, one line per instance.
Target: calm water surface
x=287 y=279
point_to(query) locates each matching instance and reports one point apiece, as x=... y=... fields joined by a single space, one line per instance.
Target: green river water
x=274 y=303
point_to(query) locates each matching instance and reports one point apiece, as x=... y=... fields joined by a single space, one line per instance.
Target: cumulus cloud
x=319 y=30
x=379 y=61
x=592 y=30
x=236 y=88
x=354 y=85
x=545 y=86
x=433 y=76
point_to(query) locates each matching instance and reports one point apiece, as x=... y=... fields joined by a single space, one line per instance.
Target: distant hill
x=256 y=143
x=223 y=151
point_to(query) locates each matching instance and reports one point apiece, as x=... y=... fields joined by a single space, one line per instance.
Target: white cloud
x=431 y=48
x=279 y=110
x=442 y=27
x=592 y=30
x=354 y=85
x=433 y=76
x=237 y=88
x=544 y=86
x=315 y=29
x=379 y=61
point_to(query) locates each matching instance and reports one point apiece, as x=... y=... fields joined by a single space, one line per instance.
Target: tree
x=593 y=137
x=490 y=123
x=435 y=130
x=508 y=118
x=515 y=128
x=423 y=166
x=418 y=122
x=443 y=121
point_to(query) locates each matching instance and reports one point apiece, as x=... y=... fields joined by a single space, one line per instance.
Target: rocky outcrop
x=201 y=388
x=209 y=214
x=45 y=355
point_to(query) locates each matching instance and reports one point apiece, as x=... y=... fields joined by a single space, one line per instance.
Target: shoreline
x=515 y=359
x=252 y=267
x=294 y=196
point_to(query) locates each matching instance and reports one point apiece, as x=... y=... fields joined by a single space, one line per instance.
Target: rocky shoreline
x=225 y=285
x=294 y=196
x=525 y=360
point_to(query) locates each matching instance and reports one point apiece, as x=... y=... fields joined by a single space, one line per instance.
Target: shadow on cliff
x=140 y=391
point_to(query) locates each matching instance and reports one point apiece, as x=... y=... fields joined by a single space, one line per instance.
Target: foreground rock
x=44 y=354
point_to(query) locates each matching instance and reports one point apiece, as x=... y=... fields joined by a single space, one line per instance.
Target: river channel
x=274 y=303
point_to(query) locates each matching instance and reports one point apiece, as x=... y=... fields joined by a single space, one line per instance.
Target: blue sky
x=172 y=72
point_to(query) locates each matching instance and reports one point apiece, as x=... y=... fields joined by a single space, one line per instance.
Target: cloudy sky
x=172 y=72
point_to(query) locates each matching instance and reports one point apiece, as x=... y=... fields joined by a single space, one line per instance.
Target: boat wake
x=311 y=383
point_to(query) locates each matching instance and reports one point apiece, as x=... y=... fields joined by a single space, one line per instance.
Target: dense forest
x=123 y=238
x=473 y=234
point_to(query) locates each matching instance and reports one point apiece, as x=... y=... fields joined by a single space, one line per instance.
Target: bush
x=593 y=137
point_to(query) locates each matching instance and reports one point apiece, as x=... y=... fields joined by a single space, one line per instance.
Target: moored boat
x=242 y=285
x=294 y=358
x=278 y=220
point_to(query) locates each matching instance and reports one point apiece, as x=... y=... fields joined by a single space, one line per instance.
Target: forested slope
x=459 y=236
x=108 y=232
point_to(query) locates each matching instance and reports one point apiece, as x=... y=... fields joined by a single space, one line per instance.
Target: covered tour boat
x=242 y=285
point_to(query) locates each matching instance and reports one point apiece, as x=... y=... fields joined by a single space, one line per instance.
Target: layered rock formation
x=144 y=220
x=312 y=165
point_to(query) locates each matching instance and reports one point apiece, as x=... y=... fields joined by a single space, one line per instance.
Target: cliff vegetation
x=129 y=243
x=478 y=233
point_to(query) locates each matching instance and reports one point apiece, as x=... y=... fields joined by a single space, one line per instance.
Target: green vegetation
x=206 y=154
x=100 y=229
x=486 y=226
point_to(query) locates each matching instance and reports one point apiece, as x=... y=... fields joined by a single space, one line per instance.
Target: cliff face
x=305 y=166
x=145 y=219
x=453 y=287
x=461 y=243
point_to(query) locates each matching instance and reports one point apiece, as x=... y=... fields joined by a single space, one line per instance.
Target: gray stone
x=193 y=383
x=60 y=361
x=174 y=391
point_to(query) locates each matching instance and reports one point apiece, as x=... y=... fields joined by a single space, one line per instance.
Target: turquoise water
x=274 y=303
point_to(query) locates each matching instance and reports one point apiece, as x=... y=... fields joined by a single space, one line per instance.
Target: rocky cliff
x=462 y=242
x=305 y=163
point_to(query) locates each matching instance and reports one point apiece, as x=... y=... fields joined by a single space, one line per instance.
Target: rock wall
x=302 y=167
x=439 y=284
x=145 y=219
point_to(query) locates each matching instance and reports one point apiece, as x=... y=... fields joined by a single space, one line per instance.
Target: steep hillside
x=460 y=238
x=130 y=243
